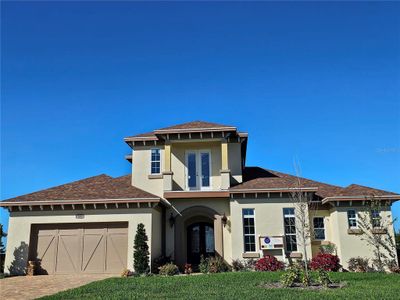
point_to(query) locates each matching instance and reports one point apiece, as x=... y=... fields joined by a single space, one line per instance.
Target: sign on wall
x=271 y=242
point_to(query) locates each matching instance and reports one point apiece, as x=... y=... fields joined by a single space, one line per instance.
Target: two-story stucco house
x=191 y=189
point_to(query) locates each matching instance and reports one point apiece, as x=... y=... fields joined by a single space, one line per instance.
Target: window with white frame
x=249 y=230
x=155 y=161
x=319 y=228
x=375 y=218
x=289 y=221
x=352 y=218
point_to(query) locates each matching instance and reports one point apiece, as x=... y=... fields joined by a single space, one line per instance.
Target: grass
x=242 y=285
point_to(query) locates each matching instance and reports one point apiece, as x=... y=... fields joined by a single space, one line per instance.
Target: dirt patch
x=314 y=286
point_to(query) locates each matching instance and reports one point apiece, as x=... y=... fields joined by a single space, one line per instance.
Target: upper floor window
x=375 y=218
x=155 y=161
x=289 y=221
x=249 y=231
x=352 y=218
x=319 y=228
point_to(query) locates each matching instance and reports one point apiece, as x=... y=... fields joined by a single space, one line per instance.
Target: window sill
x=295 y=255
x=251 y=255
x=155 y=176
x=354 y=231
x=379 y=231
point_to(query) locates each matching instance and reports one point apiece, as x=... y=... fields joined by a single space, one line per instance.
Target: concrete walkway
x=27 y=287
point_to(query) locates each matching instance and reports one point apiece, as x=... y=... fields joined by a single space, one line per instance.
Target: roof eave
x=360 y=198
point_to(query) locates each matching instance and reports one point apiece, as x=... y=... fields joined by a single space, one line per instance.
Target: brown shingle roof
x=196 y=125
x=185 y=127
x=358 y=190
x=259 y=178
x=101 y=187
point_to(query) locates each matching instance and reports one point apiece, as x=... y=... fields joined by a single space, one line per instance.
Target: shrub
x=141 y=253
x=393 y=266
x=168 y=270
x=217 y=265
x=323 y=277
x=188 y=269
x=291 y=276
x=269 y=263
x=325 y=261
x=358 y=264
x=126 y=273
x=203 y=266
x=328 y=249
x=213 y=265
x=250 y=264
x=237 y=265
x=160 y=261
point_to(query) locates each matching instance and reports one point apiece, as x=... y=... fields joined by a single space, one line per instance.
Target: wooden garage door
x=80 y=248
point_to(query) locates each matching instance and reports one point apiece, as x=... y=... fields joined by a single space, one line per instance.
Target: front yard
x=238 y=285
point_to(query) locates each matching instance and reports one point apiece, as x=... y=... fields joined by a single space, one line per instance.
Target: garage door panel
x=68 y=253
x=80 y=248
x=116 y=252
x=45 y=253
x=93 y=253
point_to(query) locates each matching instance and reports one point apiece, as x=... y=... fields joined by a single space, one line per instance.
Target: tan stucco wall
x=220 y=206
x=235 y=162
x=268 y=222
x=351 y=245
x=141 y=164
x=178 y=161
x=20 y=226
x=328 y=228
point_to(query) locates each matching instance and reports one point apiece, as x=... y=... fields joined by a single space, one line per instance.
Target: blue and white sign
x=271 y=242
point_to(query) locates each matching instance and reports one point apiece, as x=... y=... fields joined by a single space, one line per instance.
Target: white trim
x=355 y=218
x=151 y=160
x=199 y=170
x=249 y=234
x=323 y=221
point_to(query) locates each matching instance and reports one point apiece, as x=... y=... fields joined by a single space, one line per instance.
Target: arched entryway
x=198 y=230
x=200 y=241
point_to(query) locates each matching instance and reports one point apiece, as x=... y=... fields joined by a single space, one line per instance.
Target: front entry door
x=200 y=237
x=198 y=165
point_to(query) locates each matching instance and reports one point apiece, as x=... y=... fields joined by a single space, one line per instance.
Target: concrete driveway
x=32 y=287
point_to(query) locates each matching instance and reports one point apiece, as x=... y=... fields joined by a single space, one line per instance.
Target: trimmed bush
x=160 y=261
x=269 y=263
x=325 y=261
x=213 y=265
x=168 y=270
x=358 y=264
x=141 y=251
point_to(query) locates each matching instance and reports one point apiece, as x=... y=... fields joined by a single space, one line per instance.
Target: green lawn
x=243 y=285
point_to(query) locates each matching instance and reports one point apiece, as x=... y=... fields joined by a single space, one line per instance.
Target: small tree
x=375 y=231
x=2 y=249
x=141 y=251
x=303 y=209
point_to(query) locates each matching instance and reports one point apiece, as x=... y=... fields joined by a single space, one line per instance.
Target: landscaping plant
x=141 y=251
x=324 y=261
x=168 y=270
x=269 y=263
x=2 y=249
x=358 y=264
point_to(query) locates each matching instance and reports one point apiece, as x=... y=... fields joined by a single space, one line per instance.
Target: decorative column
x=225 y=172
x=167 y=174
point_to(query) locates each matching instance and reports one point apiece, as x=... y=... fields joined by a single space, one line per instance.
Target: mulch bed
x=314 y=286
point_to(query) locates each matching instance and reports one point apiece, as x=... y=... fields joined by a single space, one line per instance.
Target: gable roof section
x=256 y=178
x=102 y=187
x=195 y=126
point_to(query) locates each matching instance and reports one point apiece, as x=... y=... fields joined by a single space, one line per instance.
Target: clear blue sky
x=316 y=81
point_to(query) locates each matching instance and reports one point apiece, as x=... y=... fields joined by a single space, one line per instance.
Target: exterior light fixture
x=171 y=220
x=224 y=220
